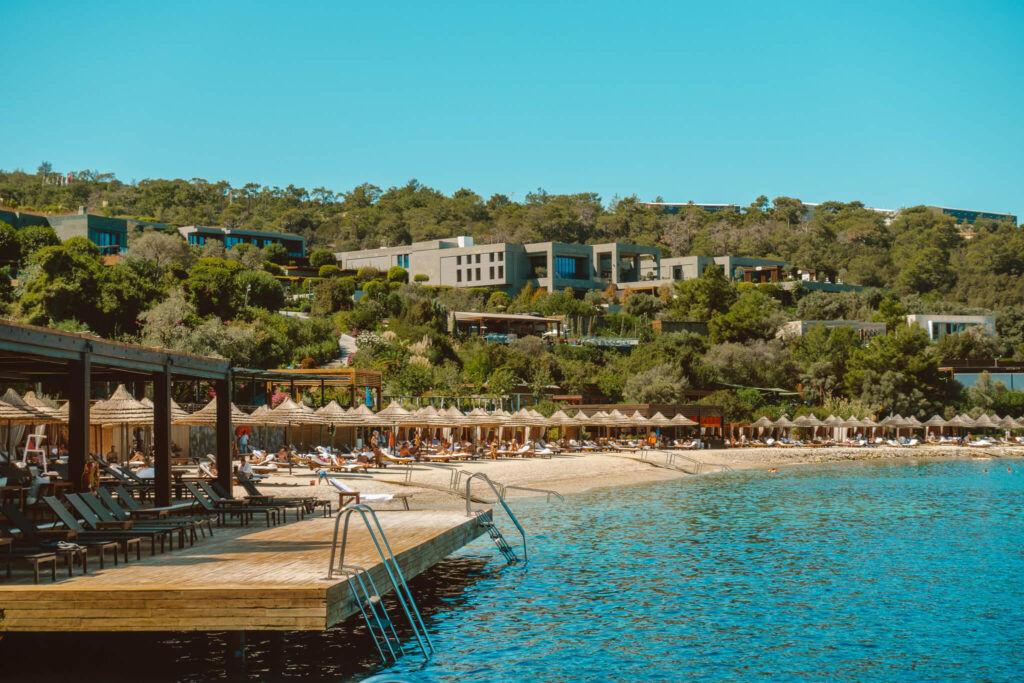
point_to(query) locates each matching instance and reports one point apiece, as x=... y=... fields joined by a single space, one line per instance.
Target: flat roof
x=29 y=353
x=240 y=231
x=469 y=315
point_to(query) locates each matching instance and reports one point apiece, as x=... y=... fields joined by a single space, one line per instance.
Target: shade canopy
x=332 y=413
x=784 y=422
x=659 y=420
x=295 y=413
x=560 y=419
x=37 y=405
x=681 y=420
x=935 y=421
x=121 y=408
x=207 y=416
x=177 y=412
x=763 y=422
x=638 y=419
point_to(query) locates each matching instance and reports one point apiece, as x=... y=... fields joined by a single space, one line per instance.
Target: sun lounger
x=202 y=523
x=184 y=528
x=57 y=540
x=125 y=539
x=209 y=499
x=309 y=503
x=94 y=522
x=346 y=492
x=36 y=560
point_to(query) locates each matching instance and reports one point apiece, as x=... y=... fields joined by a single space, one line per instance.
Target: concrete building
x=969 y=216
x=503 y=328
x=690 y=267
x=938 y=326
x=798 y=328
x=198 y=235
x=458 y=262
x=22 y=219
x=108 y=233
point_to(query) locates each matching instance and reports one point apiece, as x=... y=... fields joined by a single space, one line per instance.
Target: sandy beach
x=428 y=484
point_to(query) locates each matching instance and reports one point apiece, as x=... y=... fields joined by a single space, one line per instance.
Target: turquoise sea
x=854 y=571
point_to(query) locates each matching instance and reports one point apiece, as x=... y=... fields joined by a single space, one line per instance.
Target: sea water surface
x=854 y=571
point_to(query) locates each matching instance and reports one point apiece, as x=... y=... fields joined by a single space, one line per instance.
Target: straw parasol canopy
x=935 y=421
x=207 y=416
x=966 y=420
x=659 y=420
x=913 y=422
x=428 y=416
x=681 y=420
x=833 y=421
x=264 y=416
x=394 y=414
x=955 y=421
x=784 y=422
x=453 y=417
x=762 y=422
x=538 y=419
x=638 y=419
x=985 y=421
x=520 y=418
x=177 y=412
x=38 y=406
x=121 y=408
x=560 y=419
x=332 y=413
x=295 y=413
x=14 y=415
x=849 y=422
x=1007 y=423
x=867 y=422
x=617 y=419
x=43 y=415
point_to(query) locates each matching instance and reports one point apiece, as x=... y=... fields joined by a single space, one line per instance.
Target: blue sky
x=892 y=103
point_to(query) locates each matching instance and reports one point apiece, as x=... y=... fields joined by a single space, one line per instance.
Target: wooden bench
x=36 y=560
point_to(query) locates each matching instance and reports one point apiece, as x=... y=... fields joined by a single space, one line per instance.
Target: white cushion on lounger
x=363 y=497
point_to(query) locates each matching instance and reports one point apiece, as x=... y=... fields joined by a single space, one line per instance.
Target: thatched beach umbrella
x=37 y=405
x=984 y=421
x=207 y=416
x=13 y=415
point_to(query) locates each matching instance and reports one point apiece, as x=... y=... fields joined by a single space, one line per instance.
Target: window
x=458 y=276
x=477 y=273
x=492 y=272
x=490 y=257
x=478 y=258
x=501 y=256
x=469 y=274
x=458 y=260
x=501 y=272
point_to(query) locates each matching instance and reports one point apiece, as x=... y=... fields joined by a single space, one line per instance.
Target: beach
x=428 y=485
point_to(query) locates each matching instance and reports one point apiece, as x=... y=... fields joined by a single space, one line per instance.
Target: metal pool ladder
x=364 y=590
x=487 y=521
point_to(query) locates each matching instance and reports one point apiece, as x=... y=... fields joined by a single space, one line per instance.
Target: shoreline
x=428 y=485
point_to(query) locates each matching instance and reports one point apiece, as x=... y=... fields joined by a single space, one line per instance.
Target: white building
x=938 y=326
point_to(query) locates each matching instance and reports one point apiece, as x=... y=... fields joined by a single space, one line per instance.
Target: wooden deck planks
x=241 y=579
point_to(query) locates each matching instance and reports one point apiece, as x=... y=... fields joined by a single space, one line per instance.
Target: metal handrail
x=402 y=591
x=508 y=511
x=507 y=487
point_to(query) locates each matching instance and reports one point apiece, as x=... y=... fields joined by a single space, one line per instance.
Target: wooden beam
x=78 y=418
x=162 y=436
x=223 y=432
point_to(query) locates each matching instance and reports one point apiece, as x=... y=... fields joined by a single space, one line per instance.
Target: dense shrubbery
x=224 y=302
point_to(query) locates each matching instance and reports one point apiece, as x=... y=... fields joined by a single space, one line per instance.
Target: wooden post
x=223 y=430
x=321 y=393
x=162 y=436
x=78 y=419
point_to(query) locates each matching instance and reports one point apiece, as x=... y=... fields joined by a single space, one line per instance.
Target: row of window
x=470 y=278
x=498 y=256
x=402 y=260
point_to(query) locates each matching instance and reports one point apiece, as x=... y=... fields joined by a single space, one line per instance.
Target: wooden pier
x=251 y=578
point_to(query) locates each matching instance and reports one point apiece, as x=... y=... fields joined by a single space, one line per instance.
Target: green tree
x=210 y=287
x=275 y=253
x=702 y=297
x=971 y=344
x=398 y=274
x=322 y=257
x=329 y=271
x=660 y=384
x=643 y=305
x=10 y=249
x=751 y=317
x=499 y=302
x=260 y=289
x=32 y=238
x=898 y=372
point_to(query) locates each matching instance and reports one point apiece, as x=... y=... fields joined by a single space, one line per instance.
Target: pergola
x=74 y=361
x=355 y=380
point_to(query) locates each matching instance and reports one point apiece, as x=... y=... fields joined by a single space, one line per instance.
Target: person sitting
x=378 y=457
x=404 y=451
x=282 y=454
x=112 y=455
